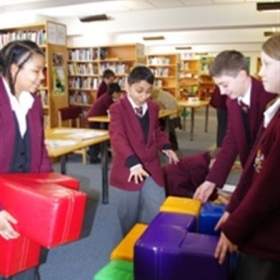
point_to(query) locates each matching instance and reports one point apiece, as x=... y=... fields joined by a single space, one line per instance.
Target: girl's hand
x=6 y=229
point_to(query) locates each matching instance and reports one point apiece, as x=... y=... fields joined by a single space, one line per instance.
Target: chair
x=71 y=117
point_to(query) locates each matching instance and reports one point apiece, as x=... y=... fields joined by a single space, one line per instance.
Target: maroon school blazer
x=40 y=161
x=127 y=139
x=254 y=222
x=235 y=142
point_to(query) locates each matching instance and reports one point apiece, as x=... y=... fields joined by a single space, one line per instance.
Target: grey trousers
x=139 y=206
x=251 y=268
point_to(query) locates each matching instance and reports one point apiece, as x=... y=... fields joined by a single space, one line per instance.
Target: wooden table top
x=193 y=104
x=62 y=141
x=106 y=119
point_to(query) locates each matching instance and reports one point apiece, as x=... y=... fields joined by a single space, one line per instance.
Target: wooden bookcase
x=189 y=76
x=51 y=37
x=166 y=70
x=86 y=66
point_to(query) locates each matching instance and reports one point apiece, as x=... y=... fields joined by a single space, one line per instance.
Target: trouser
x=221 y=126
x=139 y=206
x=252 y=268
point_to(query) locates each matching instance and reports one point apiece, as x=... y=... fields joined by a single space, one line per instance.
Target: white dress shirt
x=20 y=106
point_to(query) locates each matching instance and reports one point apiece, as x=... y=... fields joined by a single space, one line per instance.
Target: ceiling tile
x=196 y=2
x=137 y=5
x=165 y=3
x=228 y=1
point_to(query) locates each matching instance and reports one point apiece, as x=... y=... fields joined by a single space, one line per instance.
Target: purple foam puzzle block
x=197 y=259
x=209 y=216
x=184 y=221
x=168 y=252
x=155 y=249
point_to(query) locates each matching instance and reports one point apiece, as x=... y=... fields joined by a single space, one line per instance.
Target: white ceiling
x=208 y=23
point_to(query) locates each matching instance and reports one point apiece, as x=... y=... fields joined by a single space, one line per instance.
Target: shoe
x=95 y=160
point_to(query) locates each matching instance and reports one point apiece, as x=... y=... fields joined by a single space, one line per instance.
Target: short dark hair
x=140 y=73
x=108 y=73
x=228 y=63
x=16 y=52
x=114 y=87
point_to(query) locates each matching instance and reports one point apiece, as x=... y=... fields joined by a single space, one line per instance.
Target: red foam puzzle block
x=49 y=214
x=18 y=255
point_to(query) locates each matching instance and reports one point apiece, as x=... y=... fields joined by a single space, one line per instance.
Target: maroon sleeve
x=218 y=100
x=262 y=199
x=226 y=156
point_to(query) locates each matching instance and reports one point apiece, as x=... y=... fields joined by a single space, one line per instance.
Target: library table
x=162 y=114
x=62 y=141
x=193 y=105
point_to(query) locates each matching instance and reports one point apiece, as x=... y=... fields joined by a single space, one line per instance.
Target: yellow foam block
x=181 y=205
x=125 y=249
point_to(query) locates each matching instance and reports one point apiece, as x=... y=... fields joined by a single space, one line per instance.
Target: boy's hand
x=172 y=157
x=204 y=191
x=224 y=246
x=222 y=220
x=6 y=229
x=138 y=173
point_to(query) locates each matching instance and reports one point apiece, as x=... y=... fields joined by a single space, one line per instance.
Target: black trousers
x=221 y=126
x=252 y=268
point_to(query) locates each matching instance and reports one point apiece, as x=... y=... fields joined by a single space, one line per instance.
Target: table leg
x=63 y=164
x=192 y=124
x=184 y=118
x=206 y=117
x=104 y=164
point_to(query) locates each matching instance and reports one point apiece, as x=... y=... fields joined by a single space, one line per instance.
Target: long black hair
x=18 y=53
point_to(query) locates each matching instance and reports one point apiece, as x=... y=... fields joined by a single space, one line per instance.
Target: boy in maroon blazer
x=252 y=219
x=136 y=138
x=108 y=77
x=100 y=108
x=230 y=73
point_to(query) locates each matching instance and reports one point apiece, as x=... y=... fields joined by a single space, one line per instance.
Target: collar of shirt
x=144 y=106
x=270 y=112
x=20 y=106
x=246 y=99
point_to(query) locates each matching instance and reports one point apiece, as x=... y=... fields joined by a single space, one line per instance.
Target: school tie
x=245 y=108
x=139 y=111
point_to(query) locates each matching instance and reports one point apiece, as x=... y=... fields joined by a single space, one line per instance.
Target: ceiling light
x=153 y=38
x=270 y=33
x=183 y=48
x=95 y=18
x=268 y=6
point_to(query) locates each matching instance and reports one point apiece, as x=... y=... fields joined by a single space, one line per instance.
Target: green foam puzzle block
x=116 y=270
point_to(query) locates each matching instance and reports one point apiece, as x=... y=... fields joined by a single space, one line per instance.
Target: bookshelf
x=166 y=70
x=86 y=65
x=194 y=76
x=51 y=37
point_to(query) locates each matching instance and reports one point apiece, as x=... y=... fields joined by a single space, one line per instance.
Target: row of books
x=87 y=54
x=79 y=97
x=82 y=69
x=117 y=67
x=83 y=83
x=37 y=36
x=155 y=60
x=161 y=72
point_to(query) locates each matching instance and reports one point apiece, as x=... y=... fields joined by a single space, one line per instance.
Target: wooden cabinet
x=166 y=70
x=87 y=64
x=51 y=37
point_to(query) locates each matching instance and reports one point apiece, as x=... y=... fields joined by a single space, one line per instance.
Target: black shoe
x=95 y=160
